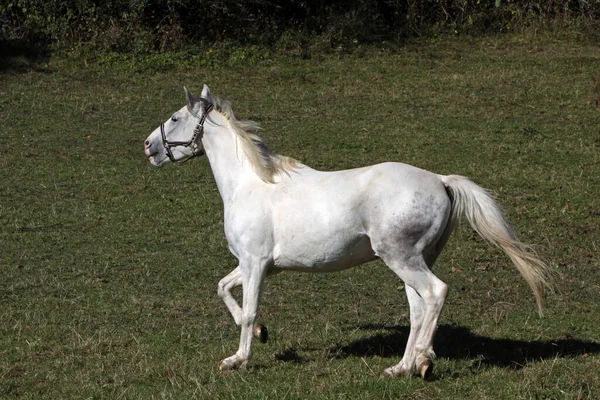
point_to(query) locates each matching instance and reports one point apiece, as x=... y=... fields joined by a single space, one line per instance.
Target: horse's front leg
x=252 y=279
x=232 y=280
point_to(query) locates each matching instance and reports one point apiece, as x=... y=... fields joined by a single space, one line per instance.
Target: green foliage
x=142 y=26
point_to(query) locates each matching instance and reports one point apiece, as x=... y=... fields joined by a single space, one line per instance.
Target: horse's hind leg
x=432 y=293
x=434 y=298
x=417 y=308
x=232 y=280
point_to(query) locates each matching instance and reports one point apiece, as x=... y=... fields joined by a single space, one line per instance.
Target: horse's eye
x=174 y=118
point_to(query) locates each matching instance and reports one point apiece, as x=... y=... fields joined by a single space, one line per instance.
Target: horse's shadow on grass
x=457 y=342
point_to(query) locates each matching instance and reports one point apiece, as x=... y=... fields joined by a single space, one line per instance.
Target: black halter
x=193 y=142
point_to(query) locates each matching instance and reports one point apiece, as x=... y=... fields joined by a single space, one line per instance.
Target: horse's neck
x=227 y=159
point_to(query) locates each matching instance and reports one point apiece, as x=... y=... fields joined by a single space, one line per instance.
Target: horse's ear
x=193 y=102
x=196 y=104
x=206 y=93
x=189 y=97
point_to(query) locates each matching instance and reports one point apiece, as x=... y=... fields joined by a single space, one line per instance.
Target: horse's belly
x=319 y=254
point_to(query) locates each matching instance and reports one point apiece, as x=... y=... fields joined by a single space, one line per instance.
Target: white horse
x=282 y=215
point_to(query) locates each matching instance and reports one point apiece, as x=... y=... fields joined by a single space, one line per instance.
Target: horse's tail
x=486 y=217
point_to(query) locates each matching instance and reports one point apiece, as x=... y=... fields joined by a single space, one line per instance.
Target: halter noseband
x=193 y=142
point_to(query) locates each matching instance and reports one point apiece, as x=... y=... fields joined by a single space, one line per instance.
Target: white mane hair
x=266 y=164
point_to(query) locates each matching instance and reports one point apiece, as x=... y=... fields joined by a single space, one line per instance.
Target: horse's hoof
x=261 y=333
x=395 y=371
x=232 y=363
x=425 y=369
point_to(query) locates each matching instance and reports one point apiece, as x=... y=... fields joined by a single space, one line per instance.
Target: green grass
x=110 y=267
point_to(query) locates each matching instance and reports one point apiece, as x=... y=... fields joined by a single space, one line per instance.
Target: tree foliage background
x=158 y=25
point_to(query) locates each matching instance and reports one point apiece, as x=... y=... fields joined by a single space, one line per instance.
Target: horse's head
x=180 y=137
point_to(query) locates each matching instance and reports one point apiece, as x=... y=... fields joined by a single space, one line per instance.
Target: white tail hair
x=486 y=217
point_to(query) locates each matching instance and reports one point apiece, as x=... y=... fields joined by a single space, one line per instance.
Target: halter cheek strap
x=192 y=143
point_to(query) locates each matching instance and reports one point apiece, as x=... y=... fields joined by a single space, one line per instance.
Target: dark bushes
x=150 y=25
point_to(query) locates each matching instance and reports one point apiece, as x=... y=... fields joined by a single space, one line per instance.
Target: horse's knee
x=248 y=318
x=222 y=288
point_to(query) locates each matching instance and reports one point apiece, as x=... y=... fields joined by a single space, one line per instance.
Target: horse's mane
x=266 y=164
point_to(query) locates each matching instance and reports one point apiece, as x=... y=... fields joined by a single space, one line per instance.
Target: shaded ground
x=19 y=56
x=458 y=342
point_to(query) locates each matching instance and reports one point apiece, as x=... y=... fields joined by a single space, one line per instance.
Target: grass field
x=110 y=267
